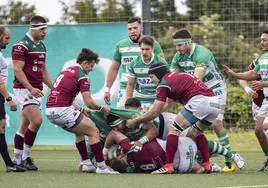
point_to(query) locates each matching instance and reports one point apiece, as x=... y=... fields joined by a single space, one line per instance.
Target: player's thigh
x=33 y=114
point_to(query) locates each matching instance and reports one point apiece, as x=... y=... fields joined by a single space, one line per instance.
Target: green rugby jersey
x=200 y=57
x=261 y=68
x=144 y=90
x=126 y=51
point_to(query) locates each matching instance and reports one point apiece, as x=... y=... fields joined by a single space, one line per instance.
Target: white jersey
x=185 y=155
x=3 y=67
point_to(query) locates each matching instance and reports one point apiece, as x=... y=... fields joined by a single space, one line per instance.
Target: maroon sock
x=18 y=142
x=82 y=148
x=125 y=145
x=202 y=145
x=97 y=151
x=29 y=137
x=171 y=147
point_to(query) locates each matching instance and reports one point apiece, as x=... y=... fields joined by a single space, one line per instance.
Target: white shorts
x=255 y=110
x=121 y=99
x=24 y=98
x=263 y=111
x=203 y=108
x=221 y=93
x=64 y=117
x=168 y=119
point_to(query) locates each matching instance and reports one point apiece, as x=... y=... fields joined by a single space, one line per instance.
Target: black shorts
x=2 y=107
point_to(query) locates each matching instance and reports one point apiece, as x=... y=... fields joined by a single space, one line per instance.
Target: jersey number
x=57 y=81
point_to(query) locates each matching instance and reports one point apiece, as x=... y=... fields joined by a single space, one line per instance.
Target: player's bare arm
x=4 y=92
x=199 y=72
x=248 y=75
x=244 y=84
x=256 y=85
x=46 y=77
x=130 y=87
x=18 y=71
x=169 y=104
x=90 y=103
x=149 y=115
x=111 y=76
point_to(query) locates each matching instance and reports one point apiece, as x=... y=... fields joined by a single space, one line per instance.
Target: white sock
x=17 y=156
x=26 y=152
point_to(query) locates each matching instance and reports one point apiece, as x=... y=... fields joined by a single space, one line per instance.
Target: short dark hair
x=2 y=29
x=37 y=19
x=148 y=40
x=87 y=54
x=265 y=32
x=117 y=165
x=133 y=102
x=182 y=34
x=134 y=19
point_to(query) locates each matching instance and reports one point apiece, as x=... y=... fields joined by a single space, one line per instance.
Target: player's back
x=66 y=87
x=184 y=86
x=151 y=157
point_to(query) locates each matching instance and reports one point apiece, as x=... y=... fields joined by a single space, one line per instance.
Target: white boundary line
x=249 y=186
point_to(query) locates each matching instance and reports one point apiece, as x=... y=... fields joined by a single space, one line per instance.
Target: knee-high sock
x=202 y=146
x=3 y=150
x=171 y=147
x=82 y=148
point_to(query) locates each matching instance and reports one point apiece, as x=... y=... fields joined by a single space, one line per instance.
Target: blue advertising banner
x=63 y=43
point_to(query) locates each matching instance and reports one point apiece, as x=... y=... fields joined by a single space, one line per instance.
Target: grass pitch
x=58 y=167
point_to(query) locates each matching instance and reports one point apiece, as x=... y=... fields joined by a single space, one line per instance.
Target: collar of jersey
x=152 y=58
x=132 y=41
x=81 y=68
x=31 y=38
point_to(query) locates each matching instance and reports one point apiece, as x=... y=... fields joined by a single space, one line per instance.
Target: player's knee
x=94 y=132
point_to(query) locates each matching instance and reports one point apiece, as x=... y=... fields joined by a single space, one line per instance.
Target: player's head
x=182 y=40
x=157 y=72
x=4 y=36
x=264 y=40
x=116 y=159
x=87 y=59
x=133 y=103
x=146 y=44
x=134 y=28
x=38 y=27
x=115 y=122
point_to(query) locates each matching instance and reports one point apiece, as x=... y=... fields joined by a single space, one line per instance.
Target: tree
x=111 y=12
x=82 y=11
x=126 y=10
x=16 y=13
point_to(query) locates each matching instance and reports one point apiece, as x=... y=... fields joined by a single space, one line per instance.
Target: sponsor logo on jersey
x=141 y=70
x=127 y=59
x=187 y=63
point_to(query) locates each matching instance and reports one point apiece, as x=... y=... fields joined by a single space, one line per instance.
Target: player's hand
x=228 y=70
x=12 y=105
x=256 y=85
x=107 y=97
x=254 y=95
x=137 y=146
x=106 y=109
x=36 y=92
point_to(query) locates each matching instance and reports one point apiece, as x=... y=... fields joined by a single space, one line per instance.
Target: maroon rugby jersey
x=181 y=87
x=151 y=157
x=259 y=99
x=34 y=57
x=66 y=87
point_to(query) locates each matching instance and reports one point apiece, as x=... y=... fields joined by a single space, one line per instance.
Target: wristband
x=106 y=89
x=101 y=107
x=248 y=89
x=144 y=140
x=8 y=99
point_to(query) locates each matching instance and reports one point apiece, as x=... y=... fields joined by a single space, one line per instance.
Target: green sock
x=217 y=148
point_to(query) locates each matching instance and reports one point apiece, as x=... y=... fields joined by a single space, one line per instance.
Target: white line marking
x=249 y=186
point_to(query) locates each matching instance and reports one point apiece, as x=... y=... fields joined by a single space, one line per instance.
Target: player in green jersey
x=260 y=71
x=199 y=61
x=139 y=84
x=125 y=51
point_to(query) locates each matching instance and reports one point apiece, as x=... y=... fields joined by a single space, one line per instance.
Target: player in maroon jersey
x=200 y=109
x=29 y=60
x=62 y=112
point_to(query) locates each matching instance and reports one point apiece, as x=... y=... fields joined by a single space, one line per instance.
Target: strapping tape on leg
x=177 y=126
x=197 y=128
